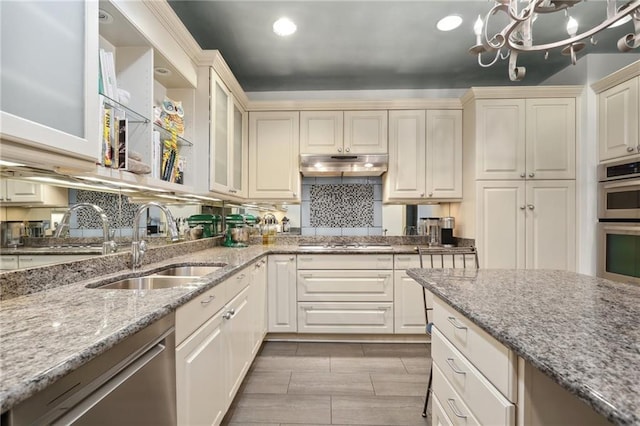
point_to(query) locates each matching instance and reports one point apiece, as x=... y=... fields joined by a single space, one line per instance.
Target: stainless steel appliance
x=446 y=231
x=433 y=231
x=619 y=227
x=132 y=383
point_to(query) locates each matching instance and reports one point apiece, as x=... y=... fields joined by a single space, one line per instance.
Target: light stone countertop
x=582 y=331
x=62 y=325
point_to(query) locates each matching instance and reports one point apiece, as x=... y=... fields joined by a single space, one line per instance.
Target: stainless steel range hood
x=343 y=165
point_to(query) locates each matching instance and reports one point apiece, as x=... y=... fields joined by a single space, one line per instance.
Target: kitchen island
x=580 y=331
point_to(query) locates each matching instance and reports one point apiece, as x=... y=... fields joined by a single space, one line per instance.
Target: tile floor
x=334 y=384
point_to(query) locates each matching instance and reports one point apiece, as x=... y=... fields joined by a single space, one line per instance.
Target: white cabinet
x=365 y=132
x=50 y=108
x=215 y=337
x=8 y=262
x=259 y=303
x=352 y=295
x=281 y=294
x=526 y=225
x=618 y=122
x=408 y=307
x=17 y=192
x=228 y=150
x=338 y=132
x=321 y=132
x=425 y=155
x=273 y=156
x=525 y=138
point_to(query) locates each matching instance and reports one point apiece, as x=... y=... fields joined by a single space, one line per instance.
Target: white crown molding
x=506 y=92
x=328 y=105
x=615 y=78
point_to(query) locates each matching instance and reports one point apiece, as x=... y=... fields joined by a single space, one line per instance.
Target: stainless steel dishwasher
x=132 y=383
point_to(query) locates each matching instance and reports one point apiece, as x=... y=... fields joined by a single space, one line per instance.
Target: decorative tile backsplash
x=342 y=206
x=118 y=209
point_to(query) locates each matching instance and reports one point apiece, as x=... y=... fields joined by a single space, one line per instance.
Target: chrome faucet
x=108 y=245
x=138 y=248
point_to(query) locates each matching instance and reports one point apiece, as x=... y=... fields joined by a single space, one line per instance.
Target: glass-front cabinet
x=49 y=93
x=228 y=141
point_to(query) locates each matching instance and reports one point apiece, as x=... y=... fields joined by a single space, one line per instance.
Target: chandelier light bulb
x=572 y=26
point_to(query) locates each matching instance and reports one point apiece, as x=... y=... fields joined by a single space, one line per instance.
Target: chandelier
x=516 y=36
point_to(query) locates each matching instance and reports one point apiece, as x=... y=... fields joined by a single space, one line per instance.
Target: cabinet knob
x=422 y=194
x=532 y=174
x=431 y=194
x=292 y=258
x=630 y=149
x=339 y=149
x=295 y=194
x=522 y=175
x=348 y=149
x=531 y=207
x=226 y=315
x=208 y=300
x=522 y=207
x=638 y=148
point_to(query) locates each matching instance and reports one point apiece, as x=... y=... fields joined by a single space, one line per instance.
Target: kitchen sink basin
x=187 y=271
x=152 y=282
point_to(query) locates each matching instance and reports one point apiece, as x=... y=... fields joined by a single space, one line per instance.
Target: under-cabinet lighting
x=368 y=165
x=10 y=164
x=74 y=184
x=162 y=71
x=104 y=17
x=200 y=197
x=122 y=184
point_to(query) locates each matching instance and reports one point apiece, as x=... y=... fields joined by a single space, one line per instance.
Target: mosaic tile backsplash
x=350 y=206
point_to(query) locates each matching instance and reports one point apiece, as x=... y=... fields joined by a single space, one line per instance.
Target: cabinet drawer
x=345 y=261
x=345 y=286
x=438 y=415
x=494 y=360
x=484 y=400
x=406 y=261
x=195 y=313
x=345 y=317
x=8 y=262
x=236 y=283
x=453 y=404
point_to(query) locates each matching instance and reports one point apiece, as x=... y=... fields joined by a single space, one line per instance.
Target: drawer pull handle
x=454 y=367
x=209 y=299
x=240 y=277
x=454 y=408
x=456 y=324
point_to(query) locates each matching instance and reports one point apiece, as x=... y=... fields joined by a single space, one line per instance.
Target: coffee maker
x=446 y=231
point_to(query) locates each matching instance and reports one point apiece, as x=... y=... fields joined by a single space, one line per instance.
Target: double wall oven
x=619 y=224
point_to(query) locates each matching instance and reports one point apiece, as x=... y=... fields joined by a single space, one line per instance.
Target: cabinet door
x=220 y=133
x=345 y=286
x=444 y=154
x=23 y=191
x=239 y=339
x=500 y=149
x=200 y=375
x=273 y=155
x=551 y=138
x=407 y=152
x=365 y=132
x=550 y=225
x=259 y=304
x=321 y=132
x=501 y=224
x=408 y=307
x=56 y=106
x=281 y=294
x=618 y=124
x=239 y=155
x=8 y=262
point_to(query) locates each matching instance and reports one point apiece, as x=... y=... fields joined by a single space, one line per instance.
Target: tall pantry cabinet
x=519 y=184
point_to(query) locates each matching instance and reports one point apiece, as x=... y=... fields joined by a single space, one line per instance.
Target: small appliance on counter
x=446 y=231
x=211 y=224
x=433 y=231
x=285 y=225
x=237 y=234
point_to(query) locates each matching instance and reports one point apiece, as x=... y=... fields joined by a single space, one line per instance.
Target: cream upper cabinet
x=228 y=138
x=525 y=138
x=18 y=192
x=273 y=155
x=42 y=109
x=526 y=224
x=425 y=155
x=618 y=122
x=365 y=132
x=321 y=132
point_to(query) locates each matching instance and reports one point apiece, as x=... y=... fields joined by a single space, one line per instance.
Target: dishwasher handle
x=103 y=391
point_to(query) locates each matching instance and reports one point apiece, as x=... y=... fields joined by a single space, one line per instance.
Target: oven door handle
x=621 y=184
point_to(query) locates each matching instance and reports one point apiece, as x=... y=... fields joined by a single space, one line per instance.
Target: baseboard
x=347 y=338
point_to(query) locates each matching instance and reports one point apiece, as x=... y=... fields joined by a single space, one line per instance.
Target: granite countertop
x=42 y=251
x=579 y=330
x=62 y=324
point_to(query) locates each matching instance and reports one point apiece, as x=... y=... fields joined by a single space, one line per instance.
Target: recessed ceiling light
x=162 y=71
x=104 y=17
x=449 y=23
x=284 y=27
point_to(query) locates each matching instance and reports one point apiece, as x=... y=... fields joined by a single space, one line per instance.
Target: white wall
x=588 y=70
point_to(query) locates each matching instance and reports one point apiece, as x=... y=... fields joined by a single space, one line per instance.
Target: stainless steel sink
x=152 y=282
x=187 y=271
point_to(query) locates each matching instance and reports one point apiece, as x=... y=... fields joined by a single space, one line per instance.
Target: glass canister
x=269 y=229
